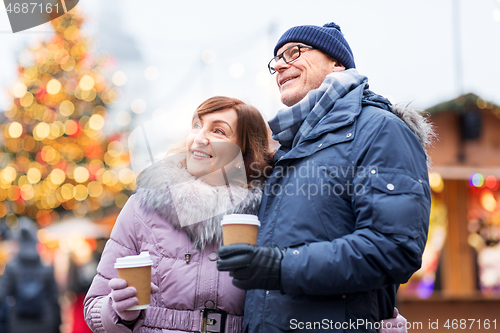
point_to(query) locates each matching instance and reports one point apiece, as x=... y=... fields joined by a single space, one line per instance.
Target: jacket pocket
x=399 y=204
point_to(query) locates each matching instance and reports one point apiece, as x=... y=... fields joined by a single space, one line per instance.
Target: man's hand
x=252 y=267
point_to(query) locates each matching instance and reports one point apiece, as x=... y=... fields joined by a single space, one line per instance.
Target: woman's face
x=212 y=144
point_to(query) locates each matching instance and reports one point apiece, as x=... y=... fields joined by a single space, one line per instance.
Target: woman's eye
x=196 y=125
x=219 y=131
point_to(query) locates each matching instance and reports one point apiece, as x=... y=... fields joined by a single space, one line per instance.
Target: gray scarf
x=292 y=124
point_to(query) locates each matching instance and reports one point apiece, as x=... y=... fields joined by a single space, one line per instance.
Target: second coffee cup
x=240 y=228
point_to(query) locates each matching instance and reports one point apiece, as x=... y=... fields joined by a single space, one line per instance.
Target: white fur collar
x=190 y=204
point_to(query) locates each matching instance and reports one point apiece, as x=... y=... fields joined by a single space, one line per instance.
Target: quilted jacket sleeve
x=99 y=314
x=392 y=207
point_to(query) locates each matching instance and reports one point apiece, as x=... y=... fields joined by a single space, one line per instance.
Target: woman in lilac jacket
x=160 y=218
x=189 y=294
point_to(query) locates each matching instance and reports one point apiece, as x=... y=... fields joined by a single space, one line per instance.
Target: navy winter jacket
x=350 y=204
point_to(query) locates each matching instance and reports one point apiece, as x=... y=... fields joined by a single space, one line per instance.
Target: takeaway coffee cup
x=240 y=228
x=136 y=270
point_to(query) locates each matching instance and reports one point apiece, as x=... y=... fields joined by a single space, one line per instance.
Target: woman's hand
x=397 y=324
x=124 y=297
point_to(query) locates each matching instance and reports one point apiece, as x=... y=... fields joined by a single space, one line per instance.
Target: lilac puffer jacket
x=160 y=218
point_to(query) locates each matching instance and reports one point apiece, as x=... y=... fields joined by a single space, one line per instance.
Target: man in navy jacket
x=346 y=210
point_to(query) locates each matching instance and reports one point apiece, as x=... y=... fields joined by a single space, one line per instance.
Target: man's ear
x=337 y=67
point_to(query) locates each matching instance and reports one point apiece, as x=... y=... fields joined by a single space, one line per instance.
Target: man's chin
x=290 y=99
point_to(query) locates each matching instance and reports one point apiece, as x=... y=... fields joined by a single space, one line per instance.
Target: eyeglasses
x=290 y=54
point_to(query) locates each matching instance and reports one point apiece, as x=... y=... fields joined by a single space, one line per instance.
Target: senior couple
x=328 y=262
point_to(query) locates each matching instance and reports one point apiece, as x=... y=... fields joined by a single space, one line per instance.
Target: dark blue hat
x=328 y=39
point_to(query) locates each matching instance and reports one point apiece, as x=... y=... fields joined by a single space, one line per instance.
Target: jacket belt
x=186 y=320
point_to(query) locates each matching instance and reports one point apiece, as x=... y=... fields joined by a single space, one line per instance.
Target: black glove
x=252 y=267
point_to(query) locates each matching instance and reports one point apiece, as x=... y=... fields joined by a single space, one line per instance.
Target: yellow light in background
x=66 y=108
x=119 y=78
x=67 y=191
x=48 y=153
x=15 y=130
x=488 y=201
x=115 y=148
x=95 y=189
x=81 y=192
x=126 y=176
x=57 y=176
x=56 y=129
x=151 y=73
x=41 y=131
x=109 y=178
x=34 y=175
x=96 y=122
x=26 y=100
x=86 y=82
x=23 y=180
x=19 y=90
x=81 y=174
x=53 y=86
x=436 y=182
x=68 y=63
x=8 y=174
x=27 y=192
x=31 y=72
x=88 y=95
x=71 y=127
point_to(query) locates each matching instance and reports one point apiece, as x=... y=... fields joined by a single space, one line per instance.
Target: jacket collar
x=342 y=115
x=190 y=204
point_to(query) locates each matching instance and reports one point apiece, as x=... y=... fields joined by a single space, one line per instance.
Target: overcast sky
x=406 y=48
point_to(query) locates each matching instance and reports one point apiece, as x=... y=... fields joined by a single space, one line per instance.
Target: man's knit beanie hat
x=328 y=39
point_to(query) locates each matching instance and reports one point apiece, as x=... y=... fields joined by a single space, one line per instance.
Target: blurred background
x=72 y=91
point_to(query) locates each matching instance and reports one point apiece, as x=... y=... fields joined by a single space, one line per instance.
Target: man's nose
x=281 y=65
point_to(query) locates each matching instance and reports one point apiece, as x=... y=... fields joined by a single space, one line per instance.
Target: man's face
x=297 y=78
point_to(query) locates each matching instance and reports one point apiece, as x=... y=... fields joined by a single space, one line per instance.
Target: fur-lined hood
x=418 y=123
x=189 y=203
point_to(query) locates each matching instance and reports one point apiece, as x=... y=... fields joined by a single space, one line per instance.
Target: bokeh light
x=96 y=122
x=34 y=175
x=436 y=182
x=488 y=201
x=19 y=90
x=81 y=174
x=41 y=131
x=53 y=86
x=15 y=130
x=86 y=83
x=119 y=78
x=66 y=108
x=476 y=180
x=138 y=106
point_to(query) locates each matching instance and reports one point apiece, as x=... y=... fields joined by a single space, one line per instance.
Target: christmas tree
x=54 y=156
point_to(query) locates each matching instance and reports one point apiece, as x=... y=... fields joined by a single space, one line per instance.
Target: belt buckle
x=213 y=321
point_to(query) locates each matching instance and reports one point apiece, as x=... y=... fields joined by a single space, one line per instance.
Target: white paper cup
x=136 y=270
x=240 y=228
